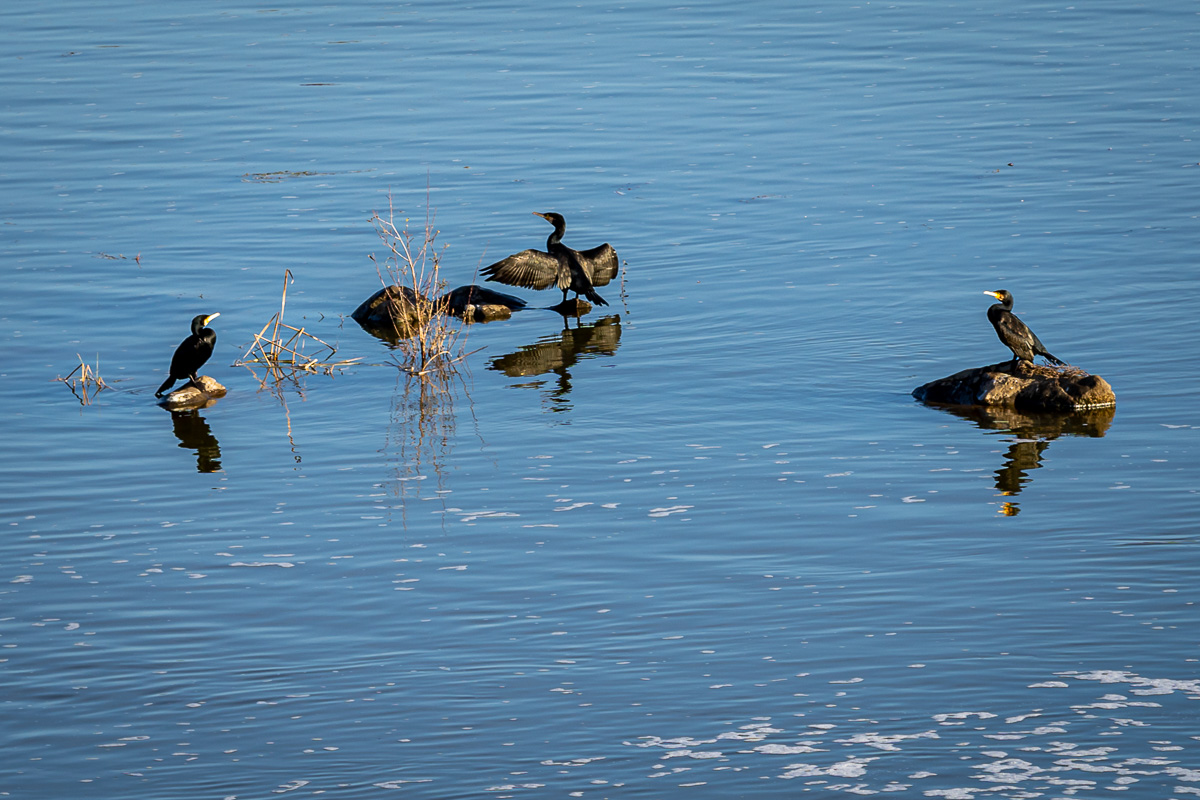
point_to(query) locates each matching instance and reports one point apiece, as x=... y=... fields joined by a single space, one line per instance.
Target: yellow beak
x=211 y=317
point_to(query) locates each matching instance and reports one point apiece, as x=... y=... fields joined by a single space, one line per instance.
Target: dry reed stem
x=271 y=349
x=429 y=340
x=87 y=379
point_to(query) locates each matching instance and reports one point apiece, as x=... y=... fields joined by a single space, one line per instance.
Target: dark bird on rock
x=192 y=353
x=578 y=271
x=1015 y=334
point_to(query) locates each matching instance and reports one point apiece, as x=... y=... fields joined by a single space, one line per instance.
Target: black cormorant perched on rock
x=578 y=271
x=1015 y=334
x=192 y=352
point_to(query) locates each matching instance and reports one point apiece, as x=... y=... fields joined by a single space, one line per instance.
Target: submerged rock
x=1021 y=385
x=475 y=303
x=395 y=312
x=194 y=395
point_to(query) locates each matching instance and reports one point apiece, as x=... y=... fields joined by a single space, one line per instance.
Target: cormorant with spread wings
x=578 y=271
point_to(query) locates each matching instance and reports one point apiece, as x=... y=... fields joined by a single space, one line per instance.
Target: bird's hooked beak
x=994 y=294
x=211 y=317
x=543 y=216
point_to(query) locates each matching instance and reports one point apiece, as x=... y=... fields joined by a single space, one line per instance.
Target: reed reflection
x=1032 y=434
x=557 y=354
x=193 y=433
x=281 y=383
x=419 y=439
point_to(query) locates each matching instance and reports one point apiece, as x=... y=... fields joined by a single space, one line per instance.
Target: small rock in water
x=194 y=395
x=575 y=307
x=1022 y=385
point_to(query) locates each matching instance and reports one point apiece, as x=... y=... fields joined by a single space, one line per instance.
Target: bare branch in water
x=87 y=383
x=282 y=351
x=429 y=342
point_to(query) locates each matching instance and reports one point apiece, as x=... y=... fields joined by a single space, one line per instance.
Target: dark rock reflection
x=194 y=434
x=557 y=354
x=1032 y=435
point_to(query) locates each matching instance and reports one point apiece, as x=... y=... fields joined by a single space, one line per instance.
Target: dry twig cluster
x=282 y=351
x=87 y=382
x=428 y=340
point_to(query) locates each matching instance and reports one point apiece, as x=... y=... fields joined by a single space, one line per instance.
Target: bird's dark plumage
x=578 y=271
x=1015 y=334
x=192 y=353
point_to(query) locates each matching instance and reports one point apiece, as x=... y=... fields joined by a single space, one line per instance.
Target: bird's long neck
x=1001 y=304
x=556 y=237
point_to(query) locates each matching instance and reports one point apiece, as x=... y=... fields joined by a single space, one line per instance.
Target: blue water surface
x=701 y=542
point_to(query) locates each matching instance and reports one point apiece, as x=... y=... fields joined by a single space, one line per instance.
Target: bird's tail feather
x=595 y=297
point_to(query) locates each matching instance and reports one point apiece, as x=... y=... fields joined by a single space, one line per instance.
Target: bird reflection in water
x=194 y=434
x=1032 y=434
x=557 y=354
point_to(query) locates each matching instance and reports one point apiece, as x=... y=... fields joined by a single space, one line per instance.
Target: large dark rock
x=393 y=311
x=194 y=395
x=1021 y=385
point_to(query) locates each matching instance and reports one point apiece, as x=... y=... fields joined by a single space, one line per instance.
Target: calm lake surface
x=699 y=543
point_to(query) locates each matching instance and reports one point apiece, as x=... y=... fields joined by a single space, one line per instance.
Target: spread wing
x=600 y=263
x=532 y=269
